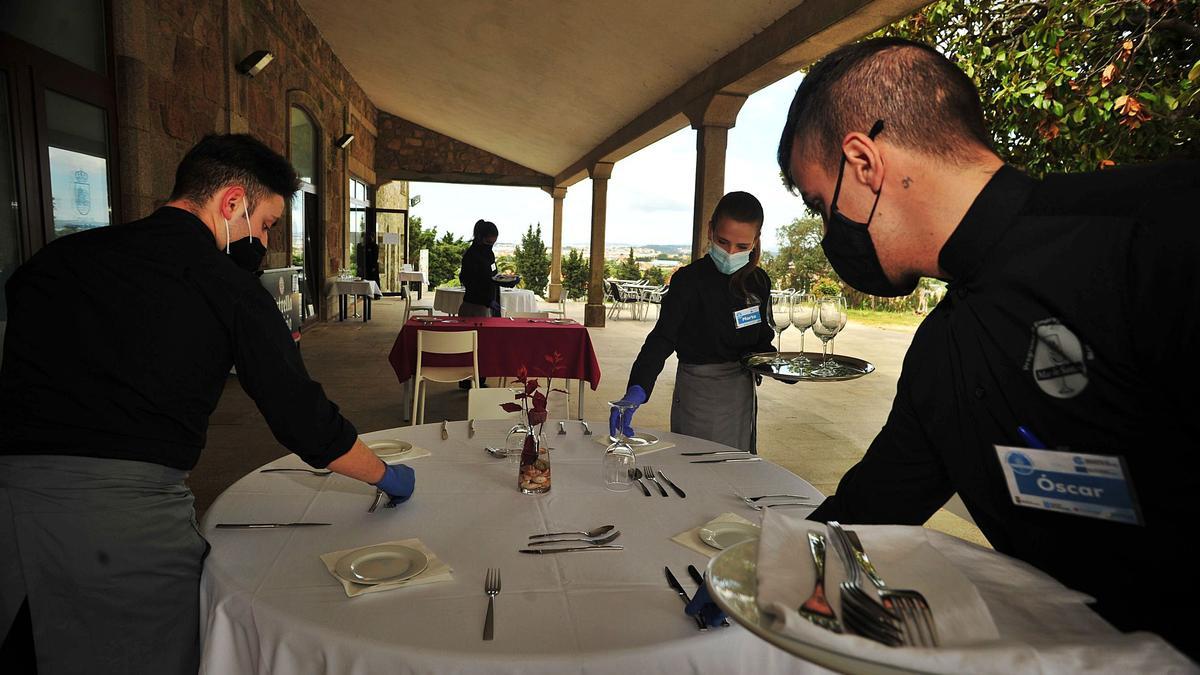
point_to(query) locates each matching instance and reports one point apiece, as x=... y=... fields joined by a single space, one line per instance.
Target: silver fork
x=817 y=608
x=860 y=612
x=375 y=504
x=909 y=604
x=491 y=586
x=650 y=475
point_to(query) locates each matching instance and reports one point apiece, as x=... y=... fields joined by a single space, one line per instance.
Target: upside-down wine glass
x=619 y=457
x=829 y=316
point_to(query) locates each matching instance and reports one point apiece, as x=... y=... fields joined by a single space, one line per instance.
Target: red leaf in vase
x=537 y=417
x=551 y=357
x=539 y=401
x=531 y=386
x=510 y=407
x=522 y=374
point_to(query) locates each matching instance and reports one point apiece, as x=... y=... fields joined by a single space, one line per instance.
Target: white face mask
x=726 y=262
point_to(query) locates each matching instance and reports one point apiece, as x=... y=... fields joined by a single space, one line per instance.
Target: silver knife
x=670 y=482
x=470 y=428
x=610 y=547
x=716 y=452
x=445 y=434
x=675 y=586
x=729 y=459
x=587 y=431
x=256 y=526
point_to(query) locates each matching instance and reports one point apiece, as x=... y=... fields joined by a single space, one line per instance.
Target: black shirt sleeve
x=900 y=480
x=662 y=340
x=271 y=372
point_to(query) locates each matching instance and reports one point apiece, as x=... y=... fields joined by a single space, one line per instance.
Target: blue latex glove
x=398 y=482
x=636 y=396
x=703 y=605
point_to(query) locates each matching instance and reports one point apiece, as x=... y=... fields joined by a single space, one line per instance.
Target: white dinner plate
x=381 y=564
x=390 y=448
x=724 y=535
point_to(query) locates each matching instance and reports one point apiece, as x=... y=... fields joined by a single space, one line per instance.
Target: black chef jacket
x=1108 y=258
x=120 y=340
x=696 y=321
x=478 y=268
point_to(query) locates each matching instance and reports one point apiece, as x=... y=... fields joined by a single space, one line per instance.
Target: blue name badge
x=1094 y=486
x=747 y=317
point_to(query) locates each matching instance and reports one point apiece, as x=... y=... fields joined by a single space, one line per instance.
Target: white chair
x=530 y=315
x=560 y=307
x=484 y=404
x=409 y=310
x=439 y=342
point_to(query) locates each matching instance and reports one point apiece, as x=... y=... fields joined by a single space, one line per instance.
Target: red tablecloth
x=505 y=346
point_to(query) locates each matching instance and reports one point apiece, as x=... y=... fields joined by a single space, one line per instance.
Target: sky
x=649 y=195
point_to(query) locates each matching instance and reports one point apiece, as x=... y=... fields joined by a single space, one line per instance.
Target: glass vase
x=533 y=475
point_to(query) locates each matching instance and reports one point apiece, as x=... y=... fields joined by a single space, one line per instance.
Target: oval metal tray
x=848 y=367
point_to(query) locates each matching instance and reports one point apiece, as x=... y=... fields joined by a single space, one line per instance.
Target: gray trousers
x=109 y=556
x=471 y=309
x=716 y=402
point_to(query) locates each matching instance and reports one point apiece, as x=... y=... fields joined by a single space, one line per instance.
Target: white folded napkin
x=434 y=572
x=691 y=538
x=1047 y=628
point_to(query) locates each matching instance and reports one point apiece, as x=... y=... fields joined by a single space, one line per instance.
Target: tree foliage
x=800 y=258
x=654 y=276
x=1075 y=85
x=532 y=261
x=575 y=273
x=445 y=258
x=627 y=268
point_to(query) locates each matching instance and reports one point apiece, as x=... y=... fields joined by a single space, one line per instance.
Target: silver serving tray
x=848 y=367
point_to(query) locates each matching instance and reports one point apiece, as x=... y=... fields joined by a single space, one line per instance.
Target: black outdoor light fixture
x=344 y=141
x=254 y=64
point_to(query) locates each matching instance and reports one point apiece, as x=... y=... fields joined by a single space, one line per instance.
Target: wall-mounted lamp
x=254 y=64
x=344 y=141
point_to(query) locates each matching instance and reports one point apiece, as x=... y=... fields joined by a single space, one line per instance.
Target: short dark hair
x=926 y=103
x=225 y=159
x=740 y=206
x=486 y=228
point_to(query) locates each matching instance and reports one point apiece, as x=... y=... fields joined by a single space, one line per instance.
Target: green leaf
x=1171 y=101
x=1194 y=73
x=1058 y=109
x=1148 y=97
x=1079 y=114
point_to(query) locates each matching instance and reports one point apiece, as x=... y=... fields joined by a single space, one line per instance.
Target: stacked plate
x=390 y=449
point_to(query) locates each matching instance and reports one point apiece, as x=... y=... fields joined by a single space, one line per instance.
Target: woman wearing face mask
x=714 y=314
x=482 y=296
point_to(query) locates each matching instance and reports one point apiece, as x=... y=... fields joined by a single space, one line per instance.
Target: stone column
x=593 y=313
x=558 y=194
x=712 y=117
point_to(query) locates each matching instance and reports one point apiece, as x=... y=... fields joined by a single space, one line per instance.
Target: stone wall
x=409 y=151
x=176 y=82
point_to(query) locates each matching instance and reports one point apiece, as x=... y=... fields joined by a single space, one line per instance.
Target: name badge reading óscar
x=747 y=317
x=1095 y=486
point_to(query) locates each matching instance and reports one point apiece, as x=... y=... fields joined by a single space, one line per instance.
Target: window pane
x=298 y=229
x=72 y=29
x=303 y=141
x=78 y=148
x=10 y=253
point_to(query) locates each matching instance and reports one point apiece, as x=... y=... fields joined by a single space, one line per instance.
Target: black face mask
x=247 y=253
x=848 y=246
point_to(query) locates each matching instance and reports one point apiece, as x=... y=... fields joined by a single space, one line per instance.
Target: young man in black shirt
x=1066 y=332
x=118 y=346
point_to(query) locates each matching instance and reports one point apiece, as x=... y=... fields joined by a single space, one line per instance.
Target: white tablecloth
x=269 y=605
x=410 y=275
x=354 y=287
x=447 y=300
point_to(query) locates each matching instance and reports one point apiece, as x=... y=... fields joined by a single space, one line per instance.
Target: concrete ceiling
x=556 y=84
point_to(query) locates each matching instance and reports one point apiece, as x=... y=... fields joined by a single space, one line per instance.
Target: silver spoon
x=589 y=540
x=598 y=532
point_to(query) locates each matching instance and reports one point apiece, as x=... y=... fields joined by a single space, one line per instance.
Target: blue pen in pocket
x=1033 y=441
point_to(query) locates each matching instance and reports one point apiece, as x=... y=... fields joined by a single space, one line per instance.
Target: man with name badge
x=1050 y=388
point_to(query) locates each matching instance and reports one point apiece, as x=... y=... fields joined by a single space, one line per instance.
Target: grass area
x=896 y=320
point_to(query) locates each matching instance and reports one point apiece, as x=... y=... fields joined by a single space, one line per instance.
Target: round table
x=269 y=605
x=512 y=300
